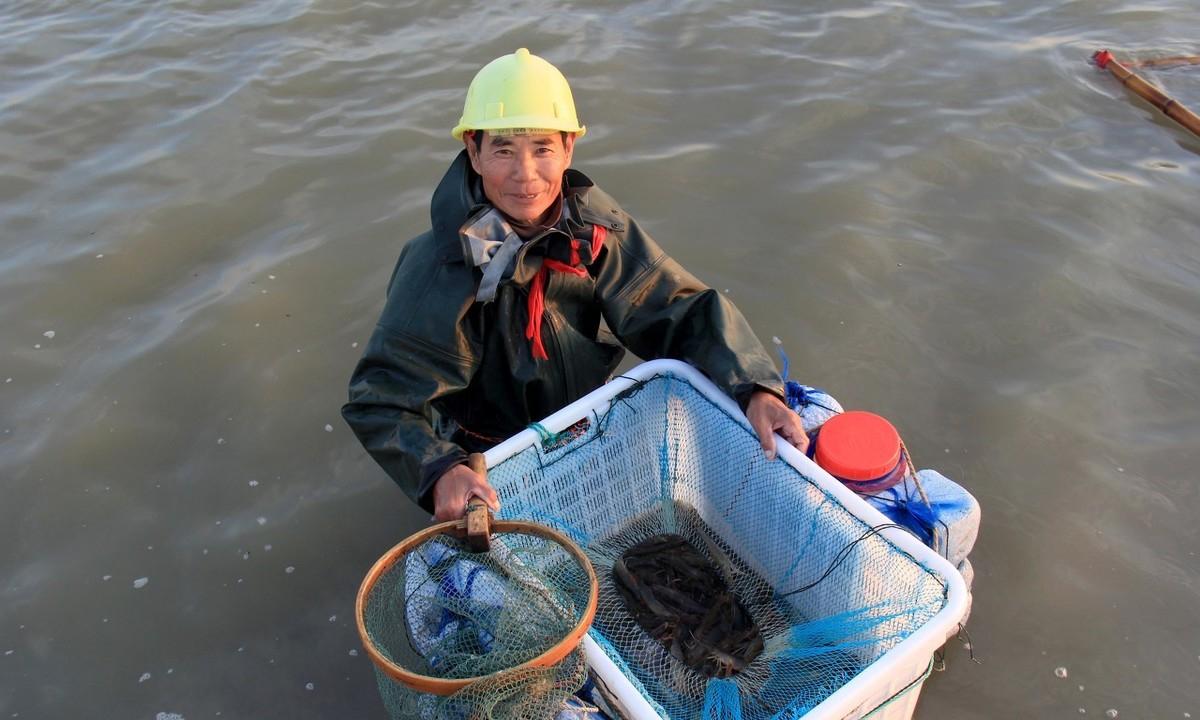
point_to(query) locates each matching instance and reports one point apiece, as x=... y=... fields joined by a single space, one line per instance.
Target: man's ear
x=569 y=146
x=472 y=150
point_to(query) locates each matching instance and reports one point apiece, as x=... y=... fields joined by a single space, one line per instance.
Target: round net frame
x=440 y=618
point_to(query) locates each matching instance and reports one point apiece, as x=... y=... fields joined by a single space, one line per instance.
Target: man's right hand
x=455 y=488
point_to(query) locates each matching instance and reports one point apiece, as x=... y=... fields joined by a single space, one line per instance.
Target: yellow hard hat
x=519 y=91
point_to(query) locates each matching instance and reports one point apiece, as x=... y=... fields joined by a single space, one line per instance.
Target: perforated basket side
x=667 y=436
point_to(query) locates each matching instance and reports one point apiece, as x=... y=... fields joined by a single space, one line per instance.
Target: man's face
x=522 y=174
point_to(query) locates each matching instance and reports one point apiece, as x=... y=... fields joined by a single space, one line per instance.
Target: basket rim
x=449 y=686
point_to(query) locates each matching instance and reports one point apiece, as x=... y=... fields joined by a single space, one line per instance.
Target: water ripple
x=942 y=209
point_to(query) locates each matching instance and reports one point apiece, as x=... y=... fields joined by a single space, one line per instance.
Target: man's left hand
x=768 y=415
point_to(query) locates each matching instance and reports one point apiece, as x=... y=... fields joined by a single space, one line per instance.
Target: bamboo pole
x=1166 y=61
x=1172 y=109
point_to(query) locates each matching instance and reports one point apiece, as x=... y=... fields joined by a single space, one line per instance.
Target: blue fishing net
x=829 y=594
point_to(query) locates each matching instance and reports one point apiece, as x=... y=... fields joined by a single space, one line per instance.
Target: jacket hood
x=458 y=195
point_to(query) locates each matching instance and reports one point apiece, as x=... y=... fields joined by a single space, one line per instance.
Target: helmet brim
x=510 y=123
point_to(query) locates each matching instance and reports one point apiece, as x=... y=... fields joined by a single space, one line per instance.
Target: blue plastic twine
x=799 y=396
x=922 y=519
x=722 y=701
x=546 y=436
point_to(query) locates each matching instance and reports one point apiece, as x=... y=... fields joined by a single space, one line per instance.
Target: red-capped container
x=861 y=449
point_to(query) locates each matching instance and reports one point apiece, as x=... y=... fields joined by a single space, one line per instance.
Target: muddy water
x=939 y=208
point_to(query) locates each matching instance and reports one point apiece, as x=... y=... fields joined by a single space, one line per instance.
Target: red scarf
x=537 y=288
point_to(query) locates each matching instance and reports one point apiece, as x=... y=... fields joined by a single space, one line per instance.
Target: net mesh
x=827 y=593
x=443 y=611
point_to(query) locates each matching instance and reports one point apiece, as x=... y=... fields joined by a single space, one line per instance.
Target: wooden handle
x=478 y=464
x=479 y=532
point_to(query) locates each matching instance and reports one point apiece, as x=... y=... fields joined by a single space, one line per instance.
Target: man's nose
x=525 y=168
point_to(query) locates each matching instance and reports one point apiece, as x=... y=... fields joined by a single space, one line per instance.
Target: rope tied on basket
x=554 y=440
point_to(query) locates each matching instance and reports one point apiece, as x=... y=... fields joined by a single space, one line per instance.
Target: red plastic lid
x=858 y=446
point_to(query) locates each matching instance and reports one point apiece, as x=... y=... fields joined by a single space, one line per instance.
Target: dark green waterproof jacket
x=436 y=348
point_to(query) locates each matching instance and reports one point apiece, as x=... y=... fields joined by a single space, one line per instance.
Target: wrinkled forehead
x=536 y=138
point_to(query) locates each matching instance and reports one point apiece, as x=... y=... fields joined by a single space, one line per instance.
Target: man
x=494 y=316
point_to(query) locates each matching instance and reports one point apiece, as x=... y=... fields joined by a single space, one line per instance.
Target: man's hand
x=768 y=415
x=455 y=488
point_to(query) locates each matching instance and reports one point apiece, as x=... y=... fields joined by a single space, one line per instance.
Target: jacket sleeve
x=657 y=309
x=417 y=354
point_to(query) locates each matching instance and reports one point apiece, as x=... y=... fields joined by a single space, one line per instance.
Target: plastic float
x=865 y=453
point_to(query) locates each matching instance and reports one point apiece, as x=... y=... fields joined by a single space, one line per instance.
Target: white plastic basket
x=585 y=495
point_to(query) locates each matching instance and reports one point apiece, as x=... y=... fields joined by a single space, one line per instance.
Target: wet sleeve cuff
x=432 y=471
x=745 y=392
